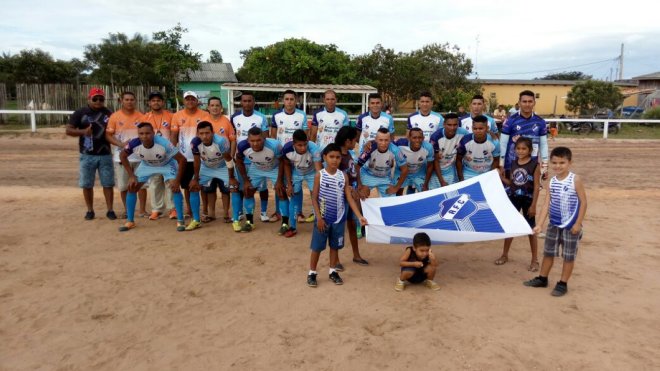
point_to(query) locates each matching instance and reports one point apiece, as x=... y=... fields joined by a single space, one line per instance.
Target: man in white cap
x=184 y=130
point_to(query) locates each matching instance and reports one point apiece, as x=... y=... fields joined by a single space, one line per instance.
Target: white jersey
x=429 y=123
x=369 y=126
x=466 y=123
x=211 y=156
x=244 y=123
x=160 y=153
x=287 y=123
x=380 y=164
x=328 y=124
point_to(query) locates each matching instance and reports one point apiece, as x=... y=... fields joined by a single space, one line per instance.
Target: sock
x=250 y=218
x=194 y=205
x=294 y=208
x=249 y=205
x=263 y=202
x=562 y=283
x=331 y=270
x=311 y=272
x=178 y=205
x=277 y=203
x=283 y=206
x=131 y=200
x=236 y=205
x=285 y=220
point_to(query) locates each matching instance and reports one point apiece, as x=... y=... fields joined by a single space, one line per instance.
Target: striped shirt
x=332 y=202
x=564 y=202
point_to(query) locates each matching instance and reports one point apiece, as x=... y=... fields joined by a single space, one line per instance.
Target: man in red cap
x=89 y=124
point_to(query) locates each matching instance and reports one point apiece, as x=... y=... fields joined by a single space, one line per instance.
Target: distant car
x=632 y=112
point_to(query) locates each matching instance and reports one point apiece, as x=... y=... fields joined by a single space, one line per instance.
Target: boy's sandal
x=275 y=218
x=534 y=267
x=502 y=260
x=207 y=219
x=227 y=219
x=360 y=261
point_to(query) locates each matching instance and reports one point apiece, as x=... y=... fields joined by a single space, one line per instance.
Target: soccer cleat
x=111 y=215
x=172 y=214
x=194 y=224
x=155 y=215
x=247 y=227
x=127 y=226
x=334 y=277
x=236 y=226
x=290 y=233
x=264 y=218
x=89 y=215
x=311 y=280
x=283 y=229
x=431 y=285
x=180 y=226
x=536 y=282
x=400 y=285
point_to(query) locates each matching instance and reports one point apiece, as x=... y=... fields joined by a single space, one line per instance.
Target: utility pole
x=621 y=63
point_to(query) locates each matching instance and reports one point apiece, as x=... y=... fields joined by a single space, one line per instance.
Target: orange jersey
x=223 y=127
x=124 y=127
x=162 y=122
x=184 y=125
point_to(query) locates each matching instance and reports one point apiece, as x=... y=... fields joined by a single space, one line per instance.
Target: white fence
x=33 y=119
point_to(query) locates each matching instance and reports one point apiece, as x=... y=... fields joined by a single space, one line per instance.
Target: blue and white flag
x=476 y=209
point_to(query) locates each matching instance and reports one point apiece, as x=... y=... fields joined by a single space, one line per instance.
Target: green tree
x=214 y=57
x=589 y=96
x=175 y=60
x=38 y=67
x=120 y=60
x=566 y=75
x=296 y=61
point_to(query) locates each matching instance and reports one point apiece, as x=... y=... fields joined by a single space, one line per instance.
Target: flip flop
x=360 y=261
x=534 y=267
x=227 y=219
x=502 y=260
x=275 y=218
x=207 y=219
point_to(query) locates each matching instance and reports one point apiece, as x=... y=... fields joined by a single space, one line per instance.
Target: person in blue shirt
x=425 y=119
x=212 y=161
x=445 y=143
x=524 y=123
x=158 y=157
x=264 y=156
x=301 y=159
x=419 y=156
x=478 y=152
x=374 y=167
x=371 y=121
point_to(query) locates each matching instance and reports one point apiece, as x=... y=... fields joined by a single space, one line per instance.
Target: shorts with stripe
x=168 y=171
x=555 y=236
x=382 y=183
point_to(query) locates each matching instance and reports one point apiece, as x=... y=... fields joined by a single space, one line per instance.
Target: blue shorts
x=239 y=178
x=415 y=181
x=88 y=166
x=333 y=236
x=168 y=171
x=260 y=178
x=449 y=175
x=382 y=183
x=298 y=180
x=213 y=178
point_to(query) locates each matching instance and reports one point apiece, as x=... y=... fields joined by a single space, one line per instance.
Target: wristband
x=230 y=164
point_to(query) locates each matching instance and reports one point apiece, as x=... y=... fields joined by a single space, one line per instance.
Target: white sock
x=332 y=270
x=312 y=272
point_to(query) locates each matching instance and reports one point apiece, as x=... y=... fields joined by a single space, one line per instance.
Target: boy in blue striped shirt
x=566 y=203
x=330 y=194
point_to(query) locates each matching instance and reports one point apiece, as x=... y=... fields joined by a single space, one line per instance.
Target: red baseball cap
x=95 y=91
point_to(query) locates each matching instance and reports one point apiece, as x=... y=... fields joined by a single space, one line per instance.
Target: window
x=493 y=95
x=538 y=95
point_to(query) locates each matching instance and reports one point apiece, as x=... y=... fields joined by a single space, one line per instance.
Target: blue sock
x=194 y=205
x=277 y=204
x=236 y=205
x=249 y=205
x=178 y=205
x=283 y=204
x=264 y=204
x=295 y=205
x=131 y=200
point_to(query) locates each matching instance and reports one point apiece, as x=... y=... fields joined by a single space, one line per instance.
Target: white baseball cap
x=190 y=93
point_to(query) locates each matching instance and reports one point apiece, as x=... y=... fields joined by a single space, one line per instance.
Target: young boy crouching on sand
x=418 y=264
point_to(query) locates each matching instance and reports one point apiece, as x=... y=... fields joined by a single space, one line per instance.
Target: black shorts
x=522 y=203
x=215 y=184
x=418 y=277
x=188 y=173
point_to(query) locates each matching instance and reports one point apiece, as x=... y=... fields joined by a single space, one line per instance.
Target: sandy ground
x=77 y=295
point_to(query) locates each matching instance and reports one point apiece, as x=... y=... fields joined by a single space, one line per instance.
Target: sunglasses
x=98 y=99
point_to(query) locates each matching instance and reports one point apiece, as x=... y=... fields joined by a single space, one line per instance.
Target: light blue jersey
x=264 y=165
x=446 y=150
x=242 y=124
x=286 y=123
x=477 y=157
x=213 y=164
x=416 y=160
x=466 y=123
x=369 y=125
x=302 y=165
x=429 y=123
x=328 y=124
x=158 y=159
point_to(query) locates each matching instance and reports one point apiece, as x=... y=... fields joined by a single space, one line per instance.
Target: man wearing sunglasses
x=89 y=124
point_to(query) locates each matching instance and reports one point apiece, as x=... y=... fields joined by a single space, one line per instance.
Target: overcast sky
x=505 y=39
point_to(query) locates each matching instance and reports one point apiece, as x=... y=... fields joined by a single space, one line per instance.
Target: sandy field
x=79 y=295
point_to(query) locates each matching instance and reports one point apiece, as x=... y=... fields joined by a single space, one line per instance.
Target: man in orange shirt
x=184 y=130
x=161 y=120
x=122 y=127
x=223 y=127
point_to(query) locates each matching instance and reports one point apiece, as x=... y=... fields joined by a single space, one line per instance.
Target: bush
x=653 y=114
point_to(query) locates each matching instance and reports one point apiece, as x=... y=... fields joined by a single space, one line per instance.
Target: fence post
x=33 y=121
x=606 y=127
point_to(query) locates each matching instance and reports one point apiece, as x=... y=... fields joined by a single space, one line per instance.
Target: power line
x=553 y=69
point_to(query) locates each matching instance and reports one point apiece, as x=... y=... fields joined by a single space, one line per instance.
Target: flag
x=476 y=209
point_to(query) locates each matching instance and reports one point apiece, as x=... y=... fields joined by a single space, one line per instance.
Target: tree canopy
x=589 y=96
x=566 y=75
x=214 y=57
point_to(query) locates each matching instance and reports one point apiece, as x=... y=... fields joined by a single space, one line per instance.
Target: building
x=550 y=94
x=208 y=80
